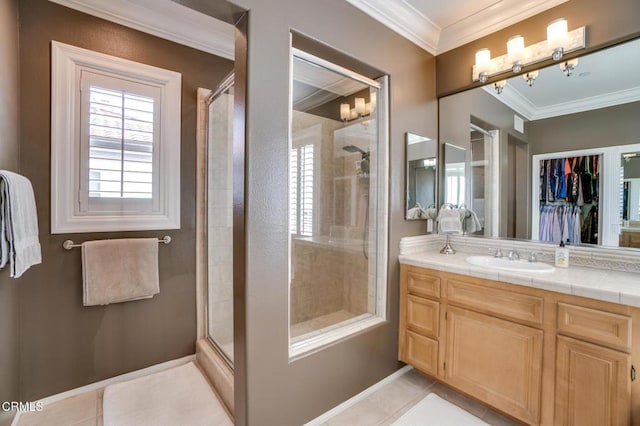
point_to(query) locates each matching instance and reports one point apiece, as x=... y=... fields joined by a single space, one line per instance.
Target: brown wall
x=9 y=136
x=63 y=344
x=616 y=125
x=607 y=22
x=273 y=390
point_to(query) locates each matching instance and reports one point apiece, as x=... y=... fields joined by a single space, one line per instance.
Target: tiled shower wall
x=326 y=276
x=326 y=279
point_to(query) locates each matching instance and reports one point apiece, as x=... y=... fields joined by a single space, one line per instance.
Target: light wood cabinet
x=497 y=361
x=592 y=385
x=541 y=357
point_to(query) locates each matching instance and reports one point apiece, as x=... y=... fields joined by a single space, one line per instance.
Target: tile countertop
x=599 y=284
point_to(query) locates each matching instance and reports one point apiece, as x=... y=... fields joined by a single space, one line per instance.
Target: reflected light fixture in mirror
x=559 y=41
x=360 y=109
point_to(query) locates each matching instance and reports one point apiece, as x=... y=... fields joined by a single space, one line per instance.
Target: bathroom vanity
x=543 y=357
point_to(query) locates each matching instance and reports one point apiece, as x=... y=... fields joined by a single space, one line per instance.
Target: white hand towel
x=449 y=221
x=119 y=270
x=471 y=222
x=19 y=244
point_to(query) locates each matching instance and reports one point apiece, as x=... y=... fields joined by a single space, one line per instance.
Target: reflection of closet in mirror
x=605 y=169
x=568 y=193
x=630 y=232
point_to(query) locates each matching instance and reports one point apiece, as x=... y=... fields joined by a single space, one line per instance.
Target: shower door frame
x=205 y=98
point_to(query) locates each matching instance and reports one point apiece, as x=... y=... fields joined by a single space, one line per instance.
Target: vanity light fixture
x=530 y=77
x=567 y=67
x=361 y=109
x=499 y=85
x=516 y=52
x=559 y=42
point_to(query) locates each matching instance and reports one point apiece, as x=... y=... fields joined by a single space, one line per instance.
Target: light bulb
x=345 y=112
x=483 y=63
x=516 y=52
x=360 y=106
x=557 y=37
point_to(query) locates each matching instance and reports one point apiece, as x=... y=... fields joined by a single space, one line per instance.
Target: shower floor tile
x=320 y=322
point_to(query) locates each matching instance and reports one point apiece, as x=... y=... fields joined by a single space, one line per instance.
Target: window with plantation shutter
x=119 y=144
x=115 y=143
x=301 y=187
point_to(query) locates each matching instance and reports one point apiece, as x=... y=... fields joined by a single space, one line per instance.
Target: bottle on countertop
x=562 y=256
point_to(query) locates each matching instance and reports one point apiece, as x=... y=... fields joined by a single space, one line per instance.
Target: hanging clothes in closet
x=566 y=186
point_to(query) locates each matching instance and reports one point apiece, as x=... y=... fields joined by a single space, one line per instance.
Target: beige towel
x=119 y=270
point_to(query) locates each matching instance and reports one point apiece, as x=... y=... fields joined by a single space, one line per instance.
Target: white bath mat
x=435 y=411
x=178 y=396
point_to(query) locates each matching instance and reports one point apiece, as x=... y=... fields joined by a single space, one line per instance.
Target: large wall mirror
x=553 y=158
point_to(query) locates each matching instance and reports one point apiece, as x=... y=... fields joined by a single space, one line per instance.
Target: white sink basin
x=509 y=265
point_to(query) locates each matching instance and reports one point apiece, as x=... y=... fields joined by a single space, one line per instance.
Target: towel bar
x=69 y=244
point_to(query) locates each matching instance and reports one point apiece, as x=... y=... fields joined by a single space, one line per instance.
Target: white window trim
x=66 y=61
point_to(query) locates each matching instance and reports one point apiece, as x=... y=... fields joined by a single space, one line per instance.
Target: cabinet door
x=496 y=361
x=593 y=386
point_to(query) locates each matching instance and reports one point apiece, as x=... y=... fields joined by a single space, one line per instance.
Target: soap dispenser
x=562 y=256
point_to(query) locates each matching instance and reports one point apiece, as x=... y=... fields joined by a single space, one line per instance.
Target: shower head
x=353 y=148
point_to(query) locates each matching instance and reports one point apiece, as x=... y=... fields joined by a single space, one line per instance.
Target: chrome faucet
x=497 y=253
x=534 y=256
x=513 y=255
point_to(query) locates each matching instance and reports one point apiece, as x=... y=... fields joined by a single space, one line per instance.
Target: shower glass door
x=219 y=219
x=337 y=201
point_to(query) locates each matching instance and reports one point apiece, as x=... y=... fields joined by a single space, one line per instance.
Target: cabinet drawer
x=595 y=326
x=423 y=284
x=492 y=300
x=422 y=353
x=423 y=315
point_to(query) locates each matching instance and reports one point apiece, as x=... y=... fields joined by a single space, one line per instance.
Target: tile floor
x=389 y=403
x=80 y=410
x=383 y=407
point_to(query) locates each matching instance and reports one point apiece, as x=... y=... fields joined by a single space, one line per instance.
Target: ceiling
x=434 y=25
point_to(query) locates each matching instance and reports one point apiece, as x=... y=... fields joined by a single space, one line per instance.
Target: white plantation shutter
x=293 y=191
x=306 y=190
x=119 y=144
x=301 y=188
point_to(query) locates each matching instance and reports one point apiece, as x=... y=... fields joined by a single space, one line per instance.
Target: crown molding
x=404 y=19
x=164 y=19
x=494 y=18
x=407 y=21
x=521 y=105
